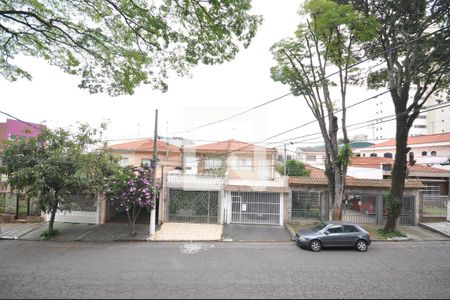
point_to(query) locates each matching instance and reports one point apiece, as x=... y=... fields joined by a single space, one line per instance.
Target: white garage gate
x=255 y=208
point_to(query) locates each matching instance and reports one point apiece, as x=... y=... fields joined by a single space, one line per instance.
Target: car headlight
x=302 y=238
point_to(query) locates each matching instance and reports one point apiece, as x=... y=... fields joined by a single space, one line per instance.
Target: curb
x=434 y=230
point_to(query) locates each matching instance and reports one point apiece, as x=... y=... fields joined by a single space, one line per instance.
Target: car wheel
x=361 y=245
x=315 y=246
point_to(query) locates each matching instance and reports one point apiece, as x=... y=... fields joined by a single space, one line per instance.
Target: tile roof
x=376 y=162
x=145 y=145
x=315 y=172
x=420 y=139
x=353 y=182
x=230 y=145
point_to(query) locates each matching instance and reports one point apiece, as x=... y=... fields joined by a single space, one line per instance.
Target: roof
x=145 y=145
x=354 y=182
x=376 y=162
x=315 y=172
x=419 y=139
x=231 y=146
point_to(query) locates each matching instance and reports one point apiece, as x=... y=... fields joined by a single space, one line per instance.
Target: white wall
x=367 y=173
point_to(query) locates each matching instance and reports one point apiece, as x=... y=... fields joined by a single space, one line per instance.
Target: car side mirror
x=327 y=232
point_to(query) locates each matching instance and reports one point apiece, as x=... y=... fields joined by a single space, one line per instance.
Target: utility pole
x=154 y=161
x=284 y=159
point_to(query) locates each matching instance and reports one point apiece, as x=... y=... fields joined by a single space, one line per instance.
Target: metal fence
x=434 y=206
x=193 y=206
x=18 y=204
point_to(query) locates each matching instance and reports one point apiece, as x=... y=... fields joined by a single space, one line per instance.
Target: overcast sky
x=211 y=93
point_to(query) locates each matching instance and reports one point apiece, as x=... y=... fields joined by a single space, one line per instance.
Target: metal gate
x=407 y=212
x=193 y=206
x=255 y=208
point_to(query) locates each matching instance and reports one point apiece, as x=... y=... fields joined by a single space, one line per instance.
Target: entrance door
x=255 y=208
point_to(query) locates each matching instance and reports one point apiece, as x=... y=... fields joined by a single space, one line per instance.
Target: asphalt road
x=222 y=270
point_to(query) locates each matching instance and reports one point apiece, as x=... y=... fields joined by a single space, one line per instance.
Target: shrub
x=49 y=233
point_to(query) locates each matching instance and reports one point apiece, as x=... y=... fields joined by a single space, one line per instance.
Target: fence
x=434 y=206
x=19 y=205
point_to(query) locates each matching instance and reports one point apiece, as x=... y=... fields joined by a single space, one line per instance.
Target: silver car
x=333 y=234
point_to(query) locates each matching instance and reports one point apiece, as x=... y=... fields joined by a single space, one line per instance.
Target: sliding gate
x=255 y=208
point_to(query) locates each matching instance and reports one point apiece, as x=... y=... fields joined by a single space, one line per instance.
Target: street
x=31 y=269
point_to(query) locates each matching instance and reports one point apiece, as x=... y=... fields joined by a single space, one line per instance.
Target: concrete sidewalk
x=115 y=232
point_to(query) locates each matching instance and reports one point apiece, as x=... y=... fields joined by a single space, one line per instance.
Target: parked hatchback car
x=333 y=234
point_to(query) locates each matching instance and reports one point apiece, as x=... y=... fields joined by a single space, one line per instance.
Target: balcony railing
x=276 y=182
x=175 y=180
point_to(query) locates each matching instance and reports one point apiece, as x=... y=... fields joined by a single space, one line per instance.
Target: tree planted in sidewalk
x=131 y=188
x=114 y=46
x=328 y=40
x=55 y=165
x=413 y=44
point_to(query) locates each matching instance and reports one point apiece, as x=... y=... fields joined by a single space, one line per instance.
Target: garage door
x=193 y=206
x=255 y=208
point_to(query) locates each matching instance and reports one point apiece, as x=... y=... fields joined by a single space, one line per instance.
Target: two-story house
x=226 y=182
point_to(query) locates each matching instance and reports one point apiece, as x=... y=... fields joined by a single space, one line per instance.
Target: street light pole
x=155 y=157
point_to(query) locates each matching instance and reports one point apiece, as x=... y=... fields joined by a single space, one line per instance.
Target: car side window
x=350 y=228
x=335 y=229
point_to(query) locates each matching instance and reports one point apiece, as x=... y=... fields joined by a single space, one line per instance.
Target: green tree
x=293 y=168
x=328 y=40
x=55 y=165
x=117 y=45
x=413 y=42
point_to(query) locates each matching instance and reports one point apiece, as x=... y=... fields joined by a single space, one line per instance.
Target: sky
x=211 y=93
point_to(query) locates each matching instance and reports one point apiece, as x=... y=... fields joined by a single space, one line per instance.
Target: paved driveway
x=255 y=233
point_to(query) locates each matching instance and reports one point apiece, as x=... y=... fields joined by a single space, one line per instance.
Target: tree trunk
x=398 y=175
x=53 y=211
x=339 y=193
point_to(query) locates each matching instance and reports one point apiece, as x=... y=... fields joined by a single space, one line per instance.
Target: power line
x=319 y=80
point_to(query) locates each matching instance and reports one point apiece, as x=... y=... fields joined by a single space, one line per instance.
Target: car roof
x=339 y=223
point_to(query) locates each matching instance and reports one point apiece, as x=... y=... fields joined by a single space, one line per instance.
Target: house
x=432 y=150
x=226 y=182
x=435 y=180
x=364 y=200
x=12 y=129
x=434 y=195
x=140 y=152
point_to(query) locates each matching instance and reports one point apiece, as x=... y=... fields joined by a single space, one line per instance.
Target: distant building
x=434 y=121
x=13 y=129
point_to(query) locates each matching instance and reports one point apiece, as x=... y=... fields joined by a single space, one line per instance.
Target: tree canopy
x=117 y=45
x=293 y=168
x=329 y=39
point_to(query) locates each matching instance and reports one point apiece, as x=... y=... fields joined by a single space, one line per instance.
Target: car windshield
x=319 y=226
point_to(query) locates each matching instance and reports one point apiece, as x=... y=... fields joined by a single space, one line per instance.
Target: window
x=432 y=189
x=424 y=153
x=244 y=164
x=213 y=163
x=420 y=126
x=350 y=228
x=373 y=155
x=289 y=157
x=280 y=157
x=123 y=162
x=335 y=229
x=433 y=153
x=310 y=158
x=388 y=155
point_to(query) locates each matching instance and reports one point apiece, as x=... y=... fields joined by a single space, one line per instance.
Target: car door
x=333 y=236
x=350 y=235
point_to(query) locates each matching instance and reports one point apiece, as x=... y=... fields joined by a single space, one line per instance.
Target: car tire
x=361 y=245
x=315 y=245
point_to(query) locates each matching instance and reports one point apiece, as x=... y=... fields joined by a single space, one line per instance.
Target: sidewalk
x=116 y=232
